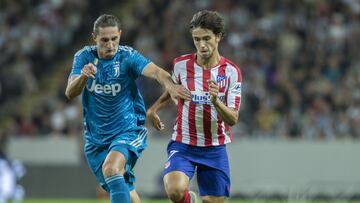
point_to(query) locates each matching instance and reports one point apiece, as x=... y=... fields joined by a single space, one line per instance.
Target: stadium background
x=299 y=128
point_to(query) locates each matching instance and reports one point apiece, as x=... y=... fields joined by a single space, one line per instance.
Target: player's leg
x=214 y=184
x=95 y=157
x=131 y=151
x=105 y=165
x=134 y=154
x=113 y=170
x=134 y=196
x=178 y=173
x=176 y=185
x=213 y=199
x=213 y=175
x=130 y=180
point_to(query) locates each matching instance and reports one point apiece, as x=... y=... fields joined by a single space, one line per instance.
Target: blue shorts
x=95 y=155
x=210 y=163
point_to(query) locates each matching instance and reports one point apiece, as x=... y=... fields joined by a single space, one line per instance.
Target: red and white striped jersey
x=197 y=122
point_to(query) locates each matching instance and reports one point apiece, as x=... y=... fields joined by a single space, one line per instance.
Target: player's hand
x=178 y=91
x=213 y=90
x=89 y=70
x=155 y=120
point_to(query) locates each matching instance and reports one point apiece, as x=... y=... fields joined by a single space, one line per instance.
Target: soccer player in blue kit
x=113 y=109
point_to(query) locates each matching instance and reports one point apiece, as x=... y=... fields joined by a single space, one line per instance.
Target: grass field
x=84 y=201
x=92 y=201
x=163 y=201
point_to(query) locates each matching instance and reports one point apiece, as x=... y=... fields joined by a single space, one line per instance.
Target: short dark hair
x=106 y=20
x=208 y=20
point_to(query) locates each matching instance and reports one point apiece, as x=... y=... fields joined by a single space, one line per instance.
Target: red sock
x=186 y=197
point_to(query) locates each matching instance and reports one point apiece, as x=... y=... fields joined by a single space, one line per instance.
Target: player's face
x=205 y=41
x=107 y=41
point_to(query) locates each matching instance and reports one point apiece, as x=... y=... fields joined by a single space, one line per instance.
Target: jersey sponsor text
x=106 y=89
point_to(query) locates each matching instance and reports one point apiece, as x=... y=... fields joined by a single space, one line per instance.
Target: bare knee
x=213 y=199
x=110 y=170
x=176 y=183
x=175 y=193
x=113 y=164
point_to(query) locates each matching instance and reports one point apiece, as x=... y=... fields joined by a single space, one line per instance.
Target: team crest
x=221 y=80
x=167 y=164
x=116 y=69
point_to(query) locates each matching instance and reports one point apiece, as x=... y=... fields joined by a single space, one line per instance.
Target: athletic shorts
x=210 y=163
x=95 y=155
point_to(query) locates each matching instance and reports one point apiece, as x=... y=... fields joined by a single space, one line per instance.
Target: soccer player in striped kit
x=114 y=111
x=202 y=125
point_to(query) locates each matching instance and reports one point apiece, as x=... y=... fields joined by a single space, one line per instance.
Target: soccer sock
x=119 y=191
x=186 y=197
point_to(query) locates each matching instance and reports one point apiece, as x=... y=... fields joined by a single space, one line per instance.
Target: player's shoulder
x=184 y=57
x=179 y=63
x=233 y=69
x=127 y=50
x=231 y=64
x=86 y=51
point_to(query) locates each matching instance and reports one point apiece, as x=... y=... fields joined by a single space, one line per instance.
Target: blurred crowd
x=34 y=38
x=32 y=33
x=299 y=60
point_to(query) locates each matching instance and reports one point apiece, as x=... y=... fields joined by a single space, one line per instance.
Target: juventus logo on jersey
x=116 y=69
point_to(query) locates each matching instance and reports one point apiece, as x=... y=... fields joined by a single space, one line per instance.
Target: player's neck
x=102 y=56
x=208 y=63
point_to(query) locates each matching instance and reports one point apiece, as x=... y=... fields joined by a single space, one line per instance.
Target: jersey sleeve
x=175 y=74
x=78 y=63
x=234 y=90
x=137 y=62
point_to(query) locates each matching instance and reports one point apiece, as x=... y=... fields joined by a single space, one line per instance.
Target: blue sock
x=119 y=191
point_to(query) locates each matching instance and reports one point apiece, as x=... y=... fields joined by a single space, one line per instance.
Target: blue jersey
x=112 y=104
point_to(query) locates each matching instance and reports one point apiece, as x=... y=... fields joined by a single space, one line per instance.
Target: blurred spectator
x=10 y=172
x=31 y=35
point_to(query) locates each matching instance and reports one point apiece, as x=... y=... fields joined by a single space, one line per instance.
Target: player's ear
x=93 y=35
x=219 y=37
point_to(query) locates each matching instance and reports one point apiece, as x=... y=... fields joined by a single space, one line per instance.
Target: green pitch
x=104 y=201
x=94 y=201
x=164 y=201
x=85 y=201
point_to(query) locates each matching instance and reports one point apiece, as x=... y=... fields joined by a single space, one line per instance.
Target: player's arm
x=164 y=78
x=173 y=91
x=151 y=113
x=227 y=114
x=77 y=83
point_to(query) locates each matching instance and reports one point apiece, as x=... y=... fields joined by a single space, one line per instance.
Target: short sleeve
x=137 y=62
x=234 y=90
x=175 y=75
x=78 y=63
